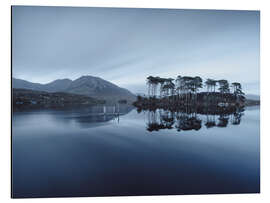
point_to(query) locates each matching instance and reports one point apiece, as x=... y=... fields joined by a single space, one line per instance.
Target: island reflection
x=191 y=118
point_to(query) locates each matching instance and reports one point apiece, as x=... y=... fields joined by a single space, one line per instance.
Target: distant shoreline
x=30 y=99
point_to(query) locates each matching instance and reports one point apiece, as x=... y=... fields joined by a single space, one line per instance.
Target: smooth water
x=86 y=153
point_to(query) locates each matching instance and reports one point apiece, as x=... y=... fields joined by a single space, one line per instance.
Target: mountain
x=99 y=88
x=55 y=86
x=86 y=85
x=23 y=84
x=59 y=85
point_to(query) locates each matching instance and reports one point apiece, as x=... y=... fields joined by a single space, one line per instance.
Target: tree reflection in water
x=190 y=119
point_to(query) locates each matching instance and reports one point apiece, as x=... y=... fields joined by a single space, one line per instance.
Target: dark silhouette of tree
x=208 y=85
x=214 y=84
x=237 y=90
x=179 y=86
x=197 y=82
x=168 y=87
x=185 y=91
x=188 y=85
x=149 y=83
x=223 y=88
x=211 y=85
x=161 y=81
x=235 y=86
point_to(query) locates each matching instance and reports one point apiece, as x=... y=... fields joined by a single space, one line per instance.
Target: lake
x=85 y=152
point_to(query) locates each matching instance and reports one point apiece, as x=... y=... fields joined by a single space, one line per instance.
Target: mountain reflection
x=99 y=115
x=191 y=119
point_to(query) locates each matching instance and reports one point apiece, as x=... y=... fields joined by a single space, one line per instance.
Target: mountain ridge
x=92 y=86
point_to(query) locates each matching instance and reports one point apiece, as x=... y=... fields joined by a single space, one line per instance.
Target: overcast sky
x=125 y=46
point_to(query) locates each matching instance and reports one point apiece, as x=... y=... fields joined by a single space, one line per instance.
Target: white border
x=192 y=4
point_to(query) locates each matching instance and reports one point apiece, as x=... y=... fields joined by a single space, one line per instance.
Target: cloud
x=124 y=46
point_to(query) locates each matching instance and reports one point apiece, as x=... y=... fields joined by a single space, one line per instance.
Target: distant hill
x=94 y=87
x=23 y=84
x=55 y=86
x=252 y=97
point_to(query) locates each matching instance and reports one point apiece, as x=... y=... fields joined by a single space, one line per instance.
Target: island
x=184 y=92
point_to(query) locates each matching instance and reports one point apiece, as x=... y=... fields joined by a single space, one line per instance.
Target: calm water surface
x=85 y=153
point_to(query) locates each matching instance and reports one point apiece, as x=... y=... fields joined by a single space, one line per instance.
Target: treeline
x=186 y=84
x=185 y=90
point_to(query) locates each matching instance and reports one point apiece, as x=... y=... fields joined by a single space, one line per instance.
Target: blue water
x=73 y=153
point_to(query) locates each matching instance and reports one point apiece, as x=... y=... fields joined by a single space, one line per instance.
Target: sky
x=124 y=45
